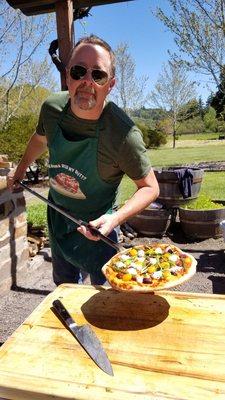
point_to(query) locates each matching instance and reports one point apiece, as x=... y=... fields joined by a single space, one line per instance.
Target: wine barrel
x=151 y=222
x=170 y=194
x=202 y=224
x=222 y=224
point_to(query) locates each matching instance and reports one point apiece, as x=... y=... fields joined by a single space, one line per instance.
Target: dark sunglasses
x=78 y=72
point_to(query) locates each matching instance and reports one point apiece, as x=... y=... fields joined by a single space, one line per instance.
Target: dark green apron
x=78 y=159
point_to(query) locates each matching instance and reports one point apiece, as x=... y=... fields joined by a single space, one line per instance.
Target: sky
x=148 y=39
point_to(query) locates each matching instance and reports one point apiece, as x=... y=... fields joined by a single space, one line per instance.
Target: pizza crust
x=55 y=185
x=132 y=286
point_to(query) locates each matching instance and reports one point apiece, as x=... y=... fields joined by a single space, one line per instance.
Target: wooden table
x=167 y=345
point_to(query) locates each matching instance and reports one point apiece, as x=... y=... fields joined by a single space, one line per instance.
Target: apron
x=74 y=163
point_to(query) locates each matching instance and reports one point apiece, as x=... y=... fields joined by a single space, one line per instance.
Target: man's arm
x=147 y=192
x=36 y=146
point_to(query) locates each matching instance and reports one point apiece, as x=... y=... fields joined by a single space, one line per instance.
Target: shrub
x=210 y=120
x=15 y=136
x=203 y=202
x=192 y=125
x=152 y=137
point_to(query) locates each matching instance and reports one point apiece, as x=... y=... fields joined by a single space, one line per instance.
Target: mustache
x=85 y=88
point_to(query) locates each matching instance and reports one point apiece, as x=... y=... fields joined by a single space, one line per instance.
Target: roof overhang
x=35 y=7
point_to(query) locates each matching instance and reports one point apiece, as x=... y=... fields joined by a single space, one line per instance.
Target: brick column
x=14 y=251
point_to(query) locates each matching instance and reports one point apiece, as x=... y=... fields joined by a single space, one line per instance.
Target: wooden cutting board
x=168 y=345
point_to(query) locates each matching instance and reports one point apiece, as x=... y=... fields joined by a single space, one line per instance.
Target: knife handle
x=61 y=310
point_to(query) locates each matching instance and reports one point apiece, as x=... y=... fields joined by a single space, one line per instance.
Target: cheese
x=158 y=250
x=152 y=260
x=124 y=257
x=119 y=264
x=141 y=253
x=173 y=257
x=157 y=274
x=139 y=279
x=132 y=271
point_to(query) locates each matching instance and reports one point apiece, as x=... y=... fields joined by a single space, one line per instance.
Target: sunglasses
x=78 y=72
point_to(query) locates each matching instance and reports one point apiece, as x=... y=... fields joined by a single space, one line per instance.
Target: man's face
x=87 y=96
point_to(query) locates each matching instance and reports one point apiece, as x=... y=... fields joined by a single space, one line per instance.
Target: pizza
x=147 y=268
x=67 y=185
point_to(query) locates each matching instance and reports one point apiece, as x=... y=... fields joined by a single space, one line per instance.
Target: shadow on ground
x=176 y=234
x=20 y=289
x=218 y=284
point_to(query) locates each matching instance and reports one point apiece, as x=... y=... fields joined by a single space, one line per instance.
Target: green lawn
x=199 y=136
x=213 y=185
x=186 y=156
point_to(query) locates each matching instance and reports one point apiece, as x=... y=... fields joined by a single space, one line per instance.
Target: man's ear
x=112 y=83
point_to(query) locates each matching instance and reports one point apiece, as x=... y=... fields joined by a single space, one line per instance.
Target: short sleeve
x=40 y=126
x=133 y=158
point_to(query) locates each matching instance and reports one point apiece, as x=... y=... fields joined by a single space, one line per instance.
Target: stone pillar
x=14 y=251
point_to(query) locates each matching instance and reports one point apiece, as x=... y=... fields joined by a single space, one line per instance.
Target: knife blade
x=85 y=336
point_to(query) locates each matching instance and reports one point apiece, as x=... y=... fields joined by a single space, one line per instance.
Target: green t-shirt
x=120 y=147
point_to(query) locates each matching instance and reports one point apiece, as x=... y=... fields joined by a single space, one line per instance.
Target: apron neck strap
x=64 y=112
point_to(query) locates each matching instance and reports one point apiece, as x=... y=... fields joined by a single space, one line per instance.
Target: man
x=91 y=145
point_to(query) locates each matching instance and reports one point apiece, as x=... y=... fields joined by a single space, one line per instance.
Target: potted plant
x=201 y=218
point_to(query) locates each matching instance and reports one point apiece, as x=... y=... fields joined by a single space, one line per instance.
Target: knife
x=79 y=222
x=85 y=336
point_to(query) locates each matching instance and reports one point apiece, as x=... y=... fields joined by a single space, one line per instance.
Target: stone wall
x=14 y=252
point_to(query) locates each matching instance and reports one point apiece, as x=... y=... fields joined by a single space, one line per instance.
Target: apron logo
x=70 y=169
x=65 y=184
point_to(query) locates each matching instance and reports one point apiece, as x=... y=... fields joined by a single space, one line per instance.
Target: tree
x=189 y=110
x=199 y=29
x=151 y=137
x=22 y=38
x=217 y=101
x=129 y=92
x=172 y=91
x=15 y=136
x=192 y=125
x=201 y=108
x=210 y=120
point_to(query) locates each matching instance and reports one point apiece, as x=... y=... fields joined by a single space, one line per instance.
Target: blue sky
x=148 y=39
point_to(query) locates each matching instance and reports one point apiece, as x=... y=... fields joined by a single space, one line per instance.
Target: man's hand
x=13 y=176
x=105 y=224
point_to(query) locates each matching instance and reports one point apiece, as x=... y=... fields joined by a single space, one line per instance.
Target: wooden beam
x=77 y=3
x=65 y=31
x=35 y=7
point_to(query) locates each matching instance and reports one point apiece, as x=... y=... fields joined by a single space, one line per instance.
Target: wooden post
x=65 y=32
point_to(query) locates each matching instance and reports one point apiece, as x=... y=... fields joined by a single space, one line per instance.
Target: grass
x=213 y=185
x=188 y=156
x=37 y=215
x=199 y=136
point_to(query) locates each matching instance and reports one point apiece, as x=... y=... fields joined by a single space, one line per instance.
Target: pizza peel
x=78 y=222
x=110 y=242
